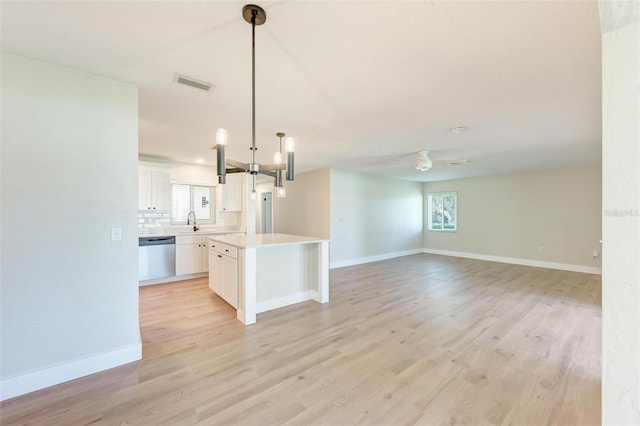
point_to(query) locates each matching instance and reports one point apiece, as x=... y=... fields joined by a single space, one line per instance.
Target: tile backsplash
x=153 y=219
x=150 y=220
x=228 y=218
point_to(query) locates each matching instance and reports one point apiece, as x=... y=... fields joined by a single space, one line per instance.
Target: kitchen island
x=260 y=272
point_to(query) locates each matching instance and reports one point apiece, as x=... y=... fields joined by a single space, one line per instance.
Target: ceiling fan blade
x=453 y=162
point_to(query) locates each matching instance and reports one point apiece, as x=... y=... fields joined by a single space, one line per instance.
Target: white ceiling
x=361 y=85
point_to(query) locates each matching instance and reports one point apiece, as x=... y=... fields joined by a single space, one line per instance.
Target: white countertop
x=169 y=233
x=261 y=240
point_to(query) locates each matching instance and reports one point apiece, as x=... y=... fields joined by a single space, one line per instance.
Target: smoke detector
x=423 y=162
x=193 y=82
x=458 y=129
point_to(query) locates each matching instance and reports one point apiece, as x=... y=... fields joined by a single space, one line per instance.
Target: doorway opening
x=266 y=213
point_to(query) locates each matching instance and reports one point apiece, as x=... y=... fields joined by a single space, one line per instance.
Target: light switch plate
x=116 y=234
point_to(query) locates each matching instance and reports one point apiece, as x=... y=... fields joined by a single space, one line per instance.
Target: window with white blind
x=199 y=199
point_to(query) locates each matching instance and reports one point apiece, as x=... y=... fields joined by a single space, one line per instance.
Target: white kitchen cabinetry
x=215 y=268
x=230 y=194
x=154 y=189
x=192 y=256
x=223 y=272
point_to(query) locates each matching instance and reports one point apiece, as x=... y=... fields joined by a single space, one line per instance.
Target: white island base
x=273 y=270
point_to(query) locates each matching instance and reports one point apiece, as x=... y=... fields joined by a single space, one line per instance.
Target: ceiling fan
x=424 y=163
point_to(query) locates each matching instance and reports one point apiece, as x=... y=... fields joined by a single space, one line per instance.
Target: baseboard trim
x=518 y=261
x=376 y=258
x=315 y=295
x=36 y=380
x=173 y=279
x=280 y=302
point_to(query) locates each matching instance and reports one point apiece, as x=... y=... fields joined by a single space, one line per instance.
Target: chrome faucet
x=195 y=226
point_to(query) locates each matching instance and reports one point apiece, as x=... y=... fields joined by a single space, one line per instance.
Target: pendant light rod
x=254 y=12
x=255 y=15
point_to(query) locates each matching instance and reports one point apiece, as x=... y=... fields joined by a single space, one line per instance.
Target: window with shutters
x=187 y=198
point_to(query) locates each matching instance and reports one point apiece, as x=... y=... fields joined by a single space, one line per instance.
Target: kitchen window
x=199 y=199
x=442 y=211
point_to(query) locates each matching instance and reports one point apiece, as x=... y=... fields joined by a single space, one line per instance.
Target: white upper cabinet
x=154 y=189
x=230 y=194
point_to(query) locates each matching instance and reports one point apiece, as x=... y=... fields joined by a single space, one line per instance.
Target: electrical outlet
x=596 y=254
x=116 y=234
x=541 y=249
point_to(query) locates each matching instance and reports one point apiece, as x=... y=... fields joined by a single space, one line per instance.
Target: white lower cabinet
x=230 y=280
x=191 y=254
x=223 y=272
x=215 y=271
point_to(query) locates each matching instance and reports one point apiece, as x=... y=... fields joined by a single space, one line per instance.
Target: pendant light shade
x=221 y=142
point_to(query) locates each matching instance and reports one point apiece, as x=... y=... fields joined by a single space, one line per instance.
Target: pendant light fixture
x=255 y=15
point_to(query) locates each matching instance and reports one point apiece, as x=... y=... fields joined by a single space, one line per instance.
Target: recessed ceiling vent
x=193 y=82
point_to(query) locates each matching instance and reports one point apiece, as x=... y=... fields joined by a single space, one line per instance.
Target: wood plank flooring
x=421 y=339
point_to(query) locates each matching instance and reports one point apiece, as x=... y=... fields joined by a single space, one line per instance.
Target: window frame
x=441 y=195
x=212 y=203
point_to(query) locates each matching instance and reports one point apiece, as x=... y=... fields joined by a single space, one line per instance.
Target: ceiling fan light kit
x=423 y=162
x=255 y=15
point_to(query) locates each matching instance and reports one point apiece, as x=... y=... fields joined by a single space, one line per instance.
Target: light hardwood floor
x=422 y=339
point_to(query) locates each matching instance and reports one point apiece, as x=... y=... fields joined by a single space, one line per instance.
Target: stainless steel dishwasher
x=156 y=257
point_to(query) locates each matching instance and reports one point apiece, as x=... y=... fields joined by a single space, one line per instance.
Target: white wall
x=513 y=215
x=621 y=212
x=193 y=174
x=305 y=209
x=373 y=217
x=69 y=174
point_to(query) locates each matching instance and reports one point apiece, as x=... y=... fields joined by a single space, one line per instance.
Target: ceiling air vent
x=193 y=82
